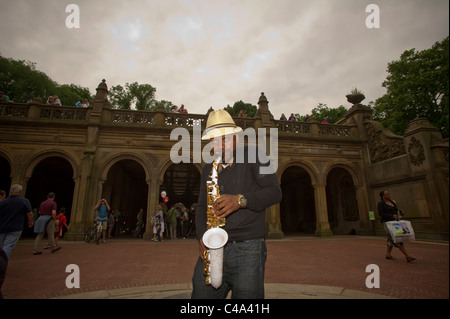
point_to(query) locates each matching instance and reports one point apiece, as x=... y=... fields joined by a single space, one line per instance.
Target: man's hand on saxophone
x=225 y=205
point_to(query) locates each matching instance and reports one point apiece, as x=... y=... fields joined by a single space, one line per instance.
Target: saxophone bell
x=214 y=239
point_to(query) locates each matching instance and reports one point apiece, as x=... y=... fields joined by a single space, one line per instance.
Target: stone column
x=273 y=222
x=322 y=224
x=152 y=202
x=81 y=200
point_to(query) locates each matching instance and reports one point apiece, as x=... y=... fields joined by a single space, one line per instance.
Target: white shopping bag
x=401 y=231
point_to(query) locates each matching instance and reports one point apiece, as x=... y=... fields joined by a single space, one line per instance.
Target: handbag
x=401 y=231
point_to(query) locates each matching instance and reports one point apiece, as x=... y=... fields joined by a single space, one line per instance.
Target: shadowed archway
x=297 y=208
x=52 y=174
x=126 y=190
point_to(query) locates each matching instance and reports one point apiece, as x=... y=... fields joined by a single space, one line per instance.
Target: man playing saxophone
x=245 y=193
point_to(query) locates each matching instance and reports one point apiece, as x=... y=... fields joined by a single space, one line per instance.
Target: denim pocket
x=253 y=246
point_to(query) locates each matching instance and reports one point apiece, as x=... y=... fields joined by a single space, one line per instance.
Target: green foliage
x=69 y=94
x=141 y=95
x=120 y=97
x=167 y=105
x=248 y=109
x=332 y=115
x=21 y=81
x=355 y=91
x=417 y=86
x=322 y=111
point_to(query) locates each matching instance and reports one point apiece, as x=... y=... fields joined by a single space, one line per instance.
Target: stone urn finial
x=355 y=96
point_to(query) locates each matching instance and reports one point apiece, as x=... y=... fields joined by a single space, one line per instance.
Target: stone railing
x=314 y=128
x=131 y=117
x=14 y=110
x=184 y=120
x=292 y=127
x=124 y=118
x=334 y=129
x=44 y=112
x=63 y=113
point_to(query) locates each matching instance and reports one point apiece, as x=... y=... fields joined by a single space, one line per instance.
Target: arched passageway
x=342 y=205
x=297 y=208
x=5 y=175
x=182 y=184
x=126 y=190
x=52 y=174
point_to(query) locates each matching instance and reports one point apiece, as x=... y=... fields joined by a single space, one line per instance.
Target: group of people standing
x=177 y=219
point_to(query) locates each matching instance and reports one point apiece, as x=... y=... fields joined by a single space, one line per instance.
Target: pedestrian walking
x=13 y=210
x=46 y=224
x=388 y=211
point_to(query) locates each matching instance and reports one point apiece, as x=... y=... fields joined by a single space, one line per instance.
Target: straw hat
x=219 y=123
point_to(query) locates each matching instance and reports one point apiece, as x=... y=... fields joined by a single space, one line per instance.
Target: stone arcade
x=330 y=174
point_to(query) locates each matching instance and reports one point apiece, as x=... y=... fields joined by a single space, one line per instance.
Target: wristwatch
x=242 y=201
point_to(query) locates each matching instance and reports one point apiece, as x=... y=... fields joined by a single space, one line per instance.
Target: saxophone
x=215 y=237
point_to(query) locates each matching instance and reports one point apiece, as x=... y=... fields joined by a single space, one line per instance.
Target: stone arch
x=51 y=171
x=307 y=167
x=181 y=182
x=36 y=159
x=166 y=163
x=7 y=157
x=297 y=207
x=341 y=198
x=6 y=172
x=109 y=162
x=124 y=181
x=349 y=168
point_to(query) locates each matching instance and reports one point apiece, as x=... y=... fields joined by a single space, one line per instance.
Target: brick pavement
x=333 y=262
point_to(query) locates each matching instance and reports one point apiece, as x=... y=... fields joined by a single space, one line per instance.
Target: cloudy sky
x=216 y=52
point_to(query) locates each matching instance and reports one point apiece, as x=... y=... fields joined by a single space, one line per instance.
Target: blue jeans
x=8 y=241
x=243 y=272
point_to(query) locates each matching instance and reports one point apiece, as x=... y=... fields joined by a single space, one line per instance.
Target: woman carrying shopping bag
x=388 y=211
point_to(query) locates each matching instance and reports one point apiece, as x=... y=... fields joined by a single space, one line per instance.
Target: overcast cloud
x=214 y=53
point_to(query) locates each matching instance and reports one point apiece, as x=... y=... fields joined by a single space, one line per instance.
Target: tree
x=333 y=115
x=167 y=105
x=248 y=109
x=120 y=97
x=69 y=94
x=322 y=111
x=417 y=86
x=142 y=96
x=21 y=81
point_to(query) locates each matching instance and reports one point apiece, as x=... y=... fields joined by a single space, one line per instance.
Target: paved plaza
x=296 y=268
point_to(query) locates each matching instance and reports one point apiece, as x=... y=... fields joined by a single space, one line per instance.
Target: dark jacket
x=387 y=212
x=12 y=213
x=260 y=190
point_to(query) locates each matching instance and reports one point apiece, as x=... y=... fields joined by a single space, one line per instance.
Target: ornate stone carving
x=382 y=146
x=416 y=152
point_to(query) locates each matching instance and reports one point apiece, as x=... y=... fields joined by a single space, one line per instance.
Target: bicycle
x=90 y=233
x=99 y=229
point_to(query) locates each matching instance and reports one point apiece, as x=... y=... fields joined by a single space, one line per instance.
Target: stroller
x=139 y=230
